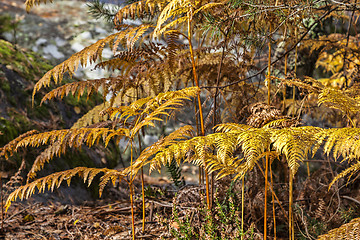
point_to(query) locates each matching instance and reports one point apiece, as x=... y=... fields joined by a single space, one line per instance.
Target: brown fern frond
x=231 y=127
x=261 y=114
x=8 y=150
x=283 y=122
x=54 y=180
x=86 y=56
x=349 y=231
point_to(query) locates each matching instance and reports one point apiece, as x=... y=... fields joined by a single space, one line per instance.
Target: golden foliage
x=30 y=3
x=89 y=55
x=139 y=9
x=54 y=180
x=73 y=138
x=8 y=150
x=348 y=231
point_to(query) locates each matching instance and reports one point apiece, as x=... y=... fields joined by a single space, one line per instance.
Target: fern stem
x=242 y=206
x=295 y=69
x=284 y=88
x=199 y=103
x=142 y=189
x=269 y=67
x=273 y=202
x=272 y=192
x=291 y=227
x=266 y=188
x=132 y=192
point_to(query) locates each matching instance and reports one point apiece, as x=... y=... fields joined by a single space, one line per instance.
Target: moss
x=9 y=131
x=26 y=63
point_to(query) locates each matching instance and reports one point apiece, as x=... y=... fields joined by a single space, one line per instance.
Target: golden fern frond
x=242 y=168
x=179 y=134
x=341 y=142
x=310 y=84
x=139 y=9
x=54 y=180
x=86 y=56
x=282 y=123
x=81 y=87
x=44 y=157
x=161 y=104
x=295 y=143
x=254 y=142
x=73 y=138
x=350 y=170
x=339 y=100
x=30 y=3
x=9 y=149
x=231 y=127
x=172 y=10
x=348 y=231
x=92 y=116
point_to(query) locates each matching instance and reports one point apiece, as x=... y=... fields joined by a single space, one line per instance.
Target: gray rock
x=53 y=51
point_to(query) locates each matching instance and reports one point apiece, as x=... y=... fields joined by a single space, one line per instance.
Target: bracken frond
x=337 y=99
x=343 y=142
x=73 y=138
x=173 y=9
x=145 y=156
x=8 y=150
x=54 y=180
x=350 y=170
x=295 y=143
x=86 y=56
x=30 y=3
x=149 y=109
x=81 y=87
x=93 y=116
x=348 y=231
x=139 y=9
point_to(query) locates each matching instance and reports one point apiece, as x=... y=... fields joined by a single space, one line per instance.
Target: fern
x=8 y=150
x=175 y=174
x=54 y=180
x=346 y=231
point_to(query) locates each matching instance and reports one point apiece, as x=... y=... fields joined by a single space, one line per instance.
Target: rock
x=53 y=51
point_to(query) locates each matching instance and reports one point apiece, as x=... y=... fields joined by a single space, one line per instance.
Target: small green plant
x=182 y=229
x=175 y=173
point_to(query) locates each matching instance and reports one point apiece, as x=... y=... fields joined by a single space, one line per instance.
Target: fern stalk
x=189 y=14
x=269 y=68
x=291 y=227
x=266 y=188
x=142 y=189
x=242 y=206
x=273 y=202
x=131 y=185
